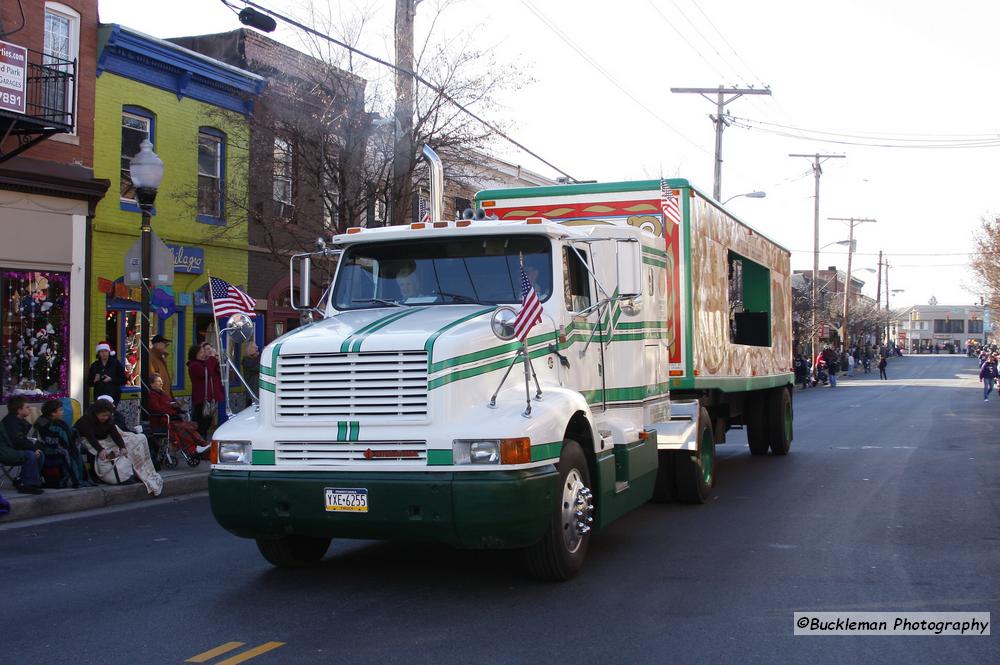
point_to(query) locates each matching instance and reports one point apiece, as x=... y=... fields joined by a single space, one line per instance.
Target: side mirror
x=629 y=259
x=240 y=328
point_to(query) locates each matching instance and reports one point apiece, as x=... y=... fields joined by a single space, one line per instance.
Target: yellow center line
x=252 y=653
x=212 y=653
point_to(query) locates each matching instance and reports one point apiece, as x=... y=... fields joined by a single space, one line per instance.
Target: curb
x=58 y=502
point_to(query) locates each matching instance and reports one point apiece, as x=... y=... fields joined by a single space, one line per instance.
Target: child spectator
x=59 y=442
x=18 y=450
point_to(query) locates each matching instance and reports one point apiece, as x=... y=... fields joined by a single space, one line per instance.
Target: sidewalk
x=182 y=480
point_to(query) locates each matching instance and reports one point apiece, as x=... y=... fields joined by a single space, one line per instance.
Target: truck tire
x=696 y=475
x=779 y=421
x=559 y=555
x=293 y=551
x=755 y=411
x=665 y=489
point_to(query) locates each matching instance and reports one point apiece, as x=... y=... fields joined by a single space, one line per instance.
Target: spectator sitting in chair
x=59 y=441
x=184 y=433
x=16 y=449
x=106 y=440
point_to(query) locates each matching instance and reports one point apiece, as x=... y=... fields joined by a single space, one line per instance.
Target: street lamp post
x=146 y=171
x=850 y=253
x=749 y=195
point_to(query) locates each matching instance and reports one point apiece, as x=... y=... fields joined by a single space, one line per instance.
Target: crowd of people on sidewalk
x=989 y=356
x=100 y=447
x=831 y=362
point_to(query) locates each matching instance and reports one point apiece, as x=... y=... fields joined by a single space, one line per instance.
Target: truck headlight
x=478 y=451
x=234 y=452
x=492 y=451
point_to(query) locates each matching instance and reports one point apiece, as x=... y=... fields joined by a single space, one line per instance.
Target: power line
x=726 y=41
x=976 y=143
x=707 y=41
x=684 y=38
x=885 y=136
x=605 y=73
x=417 y=77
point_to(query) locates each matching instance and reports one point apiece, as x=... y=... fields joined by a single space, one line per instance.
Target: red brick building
x=48 y=194
x=307 y=138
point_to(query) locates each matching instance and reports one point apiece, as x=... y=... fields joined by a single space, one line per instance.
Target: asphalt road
x=888 y=502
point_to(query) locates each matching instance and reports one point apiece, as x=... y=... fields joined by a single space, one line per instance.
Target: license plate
x=346 y=500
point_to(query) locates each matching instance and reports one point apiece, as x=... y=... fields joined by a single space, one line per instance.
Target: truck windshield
x=483 y=269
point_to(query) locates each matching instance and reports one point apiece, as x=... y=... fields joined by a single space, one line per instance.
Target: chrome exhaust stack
x=436 y=178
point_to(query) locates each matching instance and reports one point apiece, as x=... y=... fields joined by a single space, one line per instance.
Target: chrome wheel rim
x=576 y=511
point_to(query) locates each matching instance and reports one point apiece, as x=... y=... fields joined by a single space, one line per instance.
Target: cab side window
x=576 y=280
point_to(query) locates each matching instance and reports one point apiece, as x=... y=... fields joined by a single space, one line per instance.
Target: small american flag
x=668 y=203
x=531 y=309
x=228 y=300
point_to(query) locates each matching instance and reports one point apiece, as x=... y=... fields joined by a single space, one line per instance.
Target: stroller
x=174 y=441
x=822 y=375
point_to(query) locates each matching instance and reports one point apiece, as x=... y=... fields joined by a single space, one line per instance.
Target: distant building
x=831 y=284
x=919 y=328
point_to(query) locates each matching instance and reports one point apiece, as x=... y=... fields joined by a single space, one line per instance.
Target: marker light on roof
x=354 y=229
x=417 y=225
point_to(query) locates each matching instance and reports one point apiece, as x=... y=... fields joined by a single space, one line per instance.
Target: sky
x=599 y=107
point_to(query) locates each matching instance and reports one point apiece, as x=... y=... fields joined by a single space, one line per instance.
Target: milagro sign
x=13 y=77
x=188 y=259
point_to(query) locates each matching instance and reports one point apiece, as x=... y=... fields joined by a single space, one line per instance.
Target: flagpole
x=223 y=373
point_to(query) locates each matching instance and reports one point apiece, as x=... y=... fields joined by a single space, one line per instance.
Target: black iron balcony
x=49 y=105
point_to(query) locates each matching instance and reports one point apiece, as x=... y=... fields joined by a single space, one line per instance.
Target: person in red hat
x=106 y=375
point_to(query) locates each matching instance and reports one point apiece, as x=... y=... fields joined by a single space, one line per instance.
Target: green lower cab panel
x=626 y=477
x=479 y=510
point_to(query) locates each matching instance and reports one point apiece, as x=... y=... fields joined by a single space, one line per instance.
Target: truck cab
x=409 y=410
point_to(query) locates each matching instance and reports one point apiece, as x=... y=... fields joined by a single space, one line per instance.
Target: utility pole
x=878 y=285
x=720 y=120
x=852 y=221
x=887 y=301
x=403 y=152
x=817 y=172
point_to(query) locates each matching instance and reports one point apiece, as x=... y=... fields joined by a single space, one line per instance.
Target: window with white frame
x=136 y=128
x=283 y=170
x=61 y=52
x=210 y=156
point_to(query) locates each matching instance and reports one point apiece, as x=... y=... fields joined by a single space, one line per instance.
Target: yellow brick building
x=193 y=109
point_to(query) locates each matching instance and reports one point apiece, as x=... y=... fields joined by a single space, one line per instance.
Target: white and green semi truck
x=409 y=409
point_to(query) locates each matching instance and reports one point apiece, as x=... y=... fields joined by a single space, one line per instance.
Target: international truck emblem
x=369 y=454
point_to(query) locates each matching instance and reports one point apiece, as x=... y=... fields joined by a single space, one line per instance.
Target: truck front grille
x=324 y=453
x=331 y=386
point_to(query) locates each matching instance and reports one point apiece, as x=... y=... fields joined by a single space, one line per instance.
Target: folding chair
x=9 y=476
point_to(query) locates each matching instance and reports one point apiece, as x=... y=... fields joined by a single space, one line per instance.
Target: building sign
x=13 y=77
x=187 y=259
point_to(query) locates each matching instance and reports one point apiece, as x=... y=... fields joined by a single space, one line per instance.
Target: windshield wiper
x=381 y=301
x=458 y=297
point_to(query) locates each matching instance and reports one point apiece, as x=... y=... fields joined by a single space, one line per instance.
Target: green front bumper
x=489 y=509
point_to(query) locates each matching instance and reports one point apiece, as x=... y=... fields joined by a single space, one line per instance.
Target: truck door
x=617 y=263
x=607 y=334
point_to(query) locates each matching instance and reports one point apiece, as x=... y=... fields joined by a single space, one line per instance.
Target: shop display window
x=34 y=323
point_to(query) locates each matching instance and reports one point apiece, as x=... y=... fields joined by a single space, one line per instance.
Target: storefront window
x=34 y=359
x=122 y=331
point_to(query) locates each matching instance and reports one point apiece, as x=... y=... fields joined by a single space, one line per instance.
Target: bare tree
x=985 y=264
